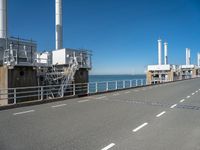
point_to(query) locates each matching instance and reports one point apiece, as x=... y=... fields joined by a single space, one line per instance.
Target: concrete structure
x=161 y=72
x=22 y=66
x=188 y=70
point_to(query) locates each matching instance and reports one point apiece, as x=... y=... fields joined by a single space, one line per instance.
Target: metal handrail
x=16 y=95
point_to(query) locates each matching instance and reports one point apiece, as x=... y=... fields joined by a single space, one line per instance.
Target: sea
x=101 y=83
x=102 y=78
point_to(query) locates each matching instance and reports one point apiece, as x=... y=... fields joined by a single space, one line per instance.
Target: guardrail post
x=62 y=90
x=141 y=82
x=106 y=86
x=96 y=85
x=136 y=82
x=74 y=89
x=15 y=96
x=131 y=83
x=88 y=88
x=42 y=93
x=115 y=85
x=124 y=84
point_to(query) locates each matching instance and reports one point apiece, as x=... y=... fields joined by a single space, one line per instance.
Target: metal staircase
x=62 y=77
x=68 y=76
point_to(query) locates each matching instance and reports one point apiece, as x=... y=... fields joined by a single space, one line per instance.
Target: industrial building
x=166 y=72
x=21 y=65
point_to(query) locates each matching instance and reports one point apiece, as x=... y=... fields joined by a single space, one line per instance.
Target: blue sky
x=122 y=34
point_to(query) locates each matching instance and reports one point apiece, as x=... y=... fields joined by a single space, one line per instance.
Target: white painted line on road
x=82 y=101
x=140 y=127
x=193 y=93
x=127 y=92
x=109 y=146
x=181 y=101
x=188 y=97
x=23 y=112
x=197 y=91
x=162 y=113
x=173 y=106
x=102 y=97
x=56 y=106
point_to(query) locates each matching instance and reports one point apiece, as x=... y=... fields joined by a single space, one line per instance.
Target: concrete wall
x=81 y=76
x=149 y=77
x=17 y=77
x=3 y=85
x=22 y=77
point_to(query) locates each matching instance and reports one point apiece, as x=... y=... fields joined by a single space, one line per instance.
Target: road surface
x=162 y=117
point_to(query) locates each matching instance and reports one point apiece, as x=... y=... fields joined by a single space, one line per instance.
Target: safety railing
x=40 y=93
x=14 y=96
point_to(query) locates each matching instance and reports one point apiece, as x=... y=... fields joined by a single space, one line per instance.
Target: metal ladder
x=68 y=75
x=62 y=77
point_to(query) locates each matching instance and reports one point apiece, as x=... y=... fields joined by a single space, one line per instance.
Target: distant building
x=161 y=73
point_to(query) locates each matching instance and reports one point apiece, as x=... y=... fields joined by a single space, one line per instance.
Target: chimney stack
x=198 y=59
x=159 y=52
x=3 y=19
x=59 y=27
x=166 y=53
x=188 y=56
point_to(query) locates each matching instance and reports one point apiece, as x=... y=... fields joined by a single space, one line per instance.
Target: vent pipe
x=3 y=18
x=159 y=52
x=166 y=53
x=198 y=59
x=59 y=27
x=188 y=56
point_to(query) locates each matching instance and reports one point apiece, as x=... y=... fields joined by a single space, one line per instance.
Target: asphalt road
x=163 y=117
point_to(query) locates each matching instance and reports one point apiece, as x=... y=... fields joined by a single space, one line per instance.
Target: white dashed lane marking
x=61 y=105
x=82 y=101
x=188 y=97
x=24 y=112
x=140 y=127
x=181 y=101
x=162 y=113
x=109 y=146
x=173 y=106
x=102 y=97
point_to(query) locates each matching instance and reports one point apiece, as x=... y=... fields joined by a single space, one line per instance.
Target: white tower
x=59 y=27
x=159 y=52
x=3 y=18
x=187 y=56
x=166 y=53
x=198 y=59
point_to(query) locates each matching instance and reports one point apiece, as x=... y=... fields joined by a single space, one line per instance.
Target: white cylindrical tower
x=3 y=19
x=59 y=27
x=159 y=52
x=166 y=52
x=187 y=56
x=198 y=59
